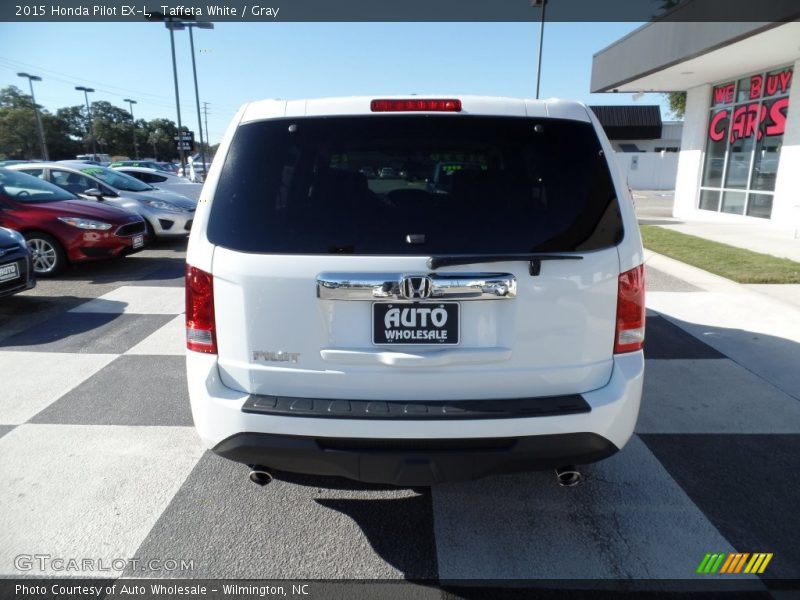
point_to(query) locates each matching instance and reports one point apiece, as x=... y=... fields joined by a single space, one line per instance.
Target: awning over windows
x=630 y=122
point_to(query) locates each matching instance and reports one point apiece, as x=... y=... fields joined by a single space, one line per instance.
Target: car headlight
x=161 y=205
x=85 y=223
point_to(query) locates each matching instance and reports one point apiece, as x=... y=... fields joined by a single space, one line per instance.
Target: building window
x=745 y=135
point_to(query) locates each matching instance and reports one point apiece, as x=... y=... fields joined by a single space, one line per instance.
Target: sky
x=240 y=62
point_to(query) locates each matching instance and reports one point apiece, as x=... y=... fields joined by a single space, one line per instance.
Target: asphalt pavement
x=100 y=459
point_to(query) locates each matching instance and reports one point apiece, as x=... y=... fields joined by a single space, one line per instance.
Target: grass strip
x=742 y=266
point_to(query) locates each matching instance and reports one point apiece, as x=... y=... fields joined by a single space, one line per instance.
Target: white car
x=373 y=329
x=164 y=181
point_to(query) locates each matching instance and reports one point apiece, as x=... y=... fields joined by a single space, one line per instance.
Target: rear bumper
x=414 y=462
x=411 y=451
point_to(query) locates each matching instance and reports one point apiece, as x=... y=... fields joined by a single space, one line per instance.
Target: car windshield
x=21 y=187
x=415 y=185
x=117 y=180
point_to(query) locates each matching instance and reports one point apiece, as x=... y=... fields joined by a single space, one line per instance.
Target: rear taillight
x=629 y=335
x=200 y=326
x=424 y=105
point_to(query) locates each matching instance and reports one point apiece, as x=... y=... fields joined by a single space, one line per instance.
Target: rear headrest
x=339 y=186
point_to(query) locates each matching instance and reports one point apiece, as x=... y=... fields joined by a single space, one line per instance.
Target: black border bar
x=133 y=11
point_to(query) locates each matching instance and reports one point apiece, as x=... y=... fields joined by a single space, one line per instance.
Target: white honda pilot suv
x=478 y=310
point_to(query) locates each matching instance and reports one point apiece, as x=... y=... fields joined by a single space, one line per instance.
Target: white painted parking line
x=138 y=299
x=31 y=381
x=169 y=339
x=83 y=491
x=628 y=520
x=713 y=396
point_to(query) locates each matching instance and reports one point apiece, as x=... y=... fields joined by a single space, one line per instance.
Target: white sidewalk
x=760 y=332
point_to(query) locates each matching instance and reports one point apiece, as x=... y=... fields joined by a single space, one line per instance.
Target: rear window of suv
x=415 y=185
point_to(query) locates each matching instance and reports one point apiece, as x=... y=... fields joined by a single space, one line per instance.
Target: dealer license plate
x=9 y=272
x=415 y=323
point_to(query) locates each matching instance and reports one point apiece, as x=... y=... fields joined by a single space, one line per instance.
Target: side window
x=153 y=178
x=73 y=182
x=34 y=172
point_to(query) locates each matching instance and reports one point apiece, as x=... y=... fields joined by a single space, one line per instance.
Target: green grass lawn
x=743 y=266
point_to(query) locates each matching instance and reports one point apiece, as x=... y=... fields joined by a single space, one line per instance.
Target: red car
x=61 y=228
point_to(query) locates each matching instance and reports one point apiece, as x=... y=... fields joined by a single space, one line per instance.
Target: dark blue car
x=16 y=270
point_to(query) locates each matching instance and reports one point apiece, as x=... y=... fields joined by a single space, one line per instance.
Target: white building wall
x=648 y=170
x=690 y=162
x=786 y=204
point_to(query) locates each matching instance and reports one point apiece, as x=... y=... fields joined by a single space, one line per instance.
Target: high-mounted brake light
x=200 y=324
x=421 y=105
x=629 y=335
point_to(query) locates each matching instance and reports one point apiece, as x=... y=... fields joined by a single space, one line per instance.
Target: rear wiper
x=534 y=260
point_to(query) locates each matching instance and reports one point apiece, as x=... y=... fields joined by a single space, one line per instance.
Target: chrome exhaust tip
x=260 y=475
x=568 y=476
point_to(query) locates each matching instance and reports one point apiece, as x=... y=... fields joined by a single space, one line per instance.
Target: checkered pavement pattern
x=98 y=458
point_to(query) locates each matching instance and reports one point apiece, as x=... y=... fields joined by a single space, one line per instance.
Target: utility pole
x=205 y=118
x=133 y=127
x=31 y=79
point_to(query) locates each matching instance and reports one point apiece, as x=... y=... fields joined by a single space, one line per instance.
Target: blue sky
x=238 y=62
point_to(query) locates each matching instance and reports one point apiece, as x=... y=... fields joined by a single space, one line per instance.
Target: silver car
x=163 y=180
x=166 y=214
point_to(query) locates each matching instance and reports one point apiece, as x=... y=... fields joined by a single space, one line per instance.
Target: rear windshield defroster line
x=454 y=184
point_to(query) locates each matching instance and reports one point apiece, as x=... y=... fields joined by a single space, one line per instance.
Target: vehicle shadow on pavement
x=26 y=313
x=772 y=358
x=338 y=483
x=63 y=326
x=129 y=269
x=387 y=521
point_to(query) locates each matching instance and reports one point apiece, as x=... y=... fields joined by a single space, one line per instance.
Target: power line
x=153 y=99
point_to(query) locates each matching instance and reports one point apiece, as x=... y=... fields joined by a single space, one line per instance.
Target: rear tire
x=48 y=256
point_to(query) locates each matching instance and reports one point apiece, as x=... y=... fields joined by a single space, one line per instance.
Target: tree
x=18 y=135
x=111 y=128
x=677 y=103
x=68 y=132
x=160 y=135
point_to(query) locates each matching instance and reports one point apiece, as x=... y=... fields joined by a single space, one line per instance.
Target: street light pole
x=191 y=26
x=543 y=5
x=133 y=127
x=172 y=26
x=31 y=79
x=86 y=91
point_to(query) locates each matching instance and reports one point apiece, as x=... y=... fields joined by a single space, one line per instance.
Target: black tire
x=49 y=258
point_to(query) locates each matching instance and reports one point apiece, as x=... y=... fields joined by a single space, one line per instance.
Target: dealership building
x=740 y=145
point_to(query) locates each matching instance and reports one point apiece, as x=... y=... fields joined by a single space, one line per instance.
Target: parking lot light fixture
x=31 y=79
x=86 y=91
x=133 y=127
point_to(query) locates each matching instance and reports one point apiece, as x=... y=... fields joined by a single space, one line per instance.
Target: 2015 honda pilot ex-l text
x=415 y=290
